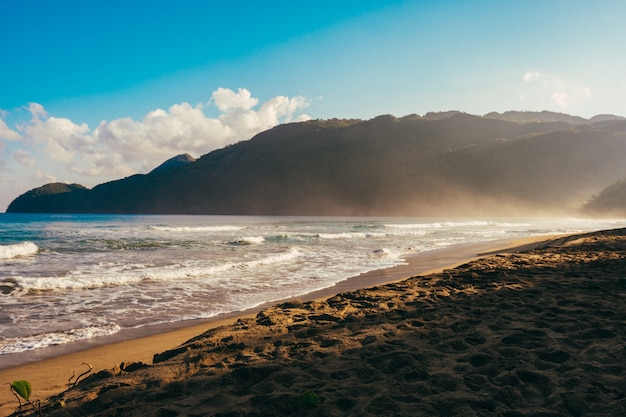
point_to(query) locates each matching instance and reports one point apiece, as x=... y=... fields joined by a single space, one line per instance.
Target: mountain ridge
x=174 y=162
x=451 y=163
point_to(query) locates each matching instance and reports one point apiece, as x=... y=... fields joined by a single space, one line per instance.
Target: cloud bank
x=62 y=150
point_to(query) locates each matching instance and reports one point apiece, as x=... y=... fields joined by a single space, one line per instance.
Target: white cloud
x=23 y=157
x=37 y=110
x=558 y=91
x=46 y=178
x=61 y=138
x=124 y=146
x=244 y=122
x=531 y=76
x=73 y=152
x=568 y=95
x=186 y=129
x=226 y=99
x=162 y=134
x=8 y=134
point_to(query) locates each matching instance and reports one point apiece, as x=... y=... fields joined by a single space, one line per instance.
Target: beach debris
x=77 y=378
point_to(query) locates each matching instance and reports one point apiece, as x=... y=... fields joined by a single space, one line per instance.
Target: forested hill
x=515 y=163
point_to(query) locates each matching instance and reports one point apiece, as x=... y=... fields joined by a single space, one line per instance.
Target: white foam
x=18 y=250
x=414 y=226
x=169 y=269
x=383 y=252
x=281 y=257
x=248 y=240
x=106 y=274
x=437 y=225
x=344 y=235
x=510 y=224
x=21 y=344
x=196 y=228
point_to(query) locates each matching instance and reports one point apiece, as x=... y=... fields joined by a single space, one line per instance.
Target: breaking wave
x=437 y=225
x=248 y=240
x=128 y=274
x=196 y=229
x=21 y=344
x=18 y=250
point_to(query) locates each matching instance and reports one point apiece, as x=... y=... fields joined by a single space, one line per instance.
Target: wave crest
x=195 y=228
x=248 y=240
x=117 y=275
x=438 y=225
x=21 y=344
x=17 y=250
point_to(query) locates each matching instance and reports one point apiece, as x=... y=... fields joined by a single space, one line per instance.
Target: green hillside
x=609 y=202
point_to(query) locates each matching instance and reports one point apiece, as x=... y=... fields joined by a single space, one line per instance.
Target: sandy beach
x=532 y=331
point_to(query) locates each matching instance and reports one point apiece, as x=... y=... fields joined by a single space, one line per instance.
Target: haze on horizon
x=91 y=92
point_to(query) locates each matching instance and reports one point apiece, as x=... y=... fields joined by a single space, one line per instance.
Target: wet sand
x=533 y=333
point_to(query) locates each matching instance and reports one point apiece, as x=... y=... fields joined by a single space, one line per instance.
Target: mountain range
x=439 y=164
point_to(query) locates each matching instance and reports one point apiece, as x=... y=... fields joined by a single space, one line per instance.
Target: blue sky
x=92 y=91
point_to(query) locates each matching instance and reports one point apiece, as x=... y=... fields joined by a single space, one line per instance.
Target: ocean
x=69 y=278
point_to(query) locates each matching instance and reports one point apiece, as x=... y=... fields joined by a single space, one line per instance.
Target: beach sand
x=533 y=333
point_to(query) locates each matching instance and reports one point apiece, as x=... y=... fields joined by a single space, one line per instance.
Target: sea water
x=65 y=278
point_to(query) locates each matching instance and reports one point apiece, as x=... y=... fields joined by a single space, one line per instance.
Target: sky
x=92 y=91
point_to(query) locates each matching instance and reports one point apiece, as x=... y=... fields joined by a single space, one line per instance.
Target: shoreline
x=48 y=373
x=422 y=263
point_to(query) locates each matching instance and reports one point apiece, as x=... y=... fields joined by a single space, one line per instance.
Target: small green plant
x=22 y=389
x=309 y=399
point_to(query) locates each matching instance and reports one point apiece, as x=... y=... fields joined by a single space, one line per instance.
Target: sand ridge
x=536 y=333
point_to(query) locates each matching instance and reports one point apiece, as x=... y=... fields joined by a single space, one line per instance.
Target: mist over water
x=65 y=278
